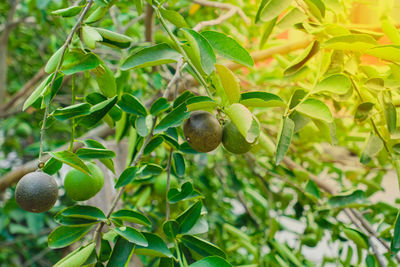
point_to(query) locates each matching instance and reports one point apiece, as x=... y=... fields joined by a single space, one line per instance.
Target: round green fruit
x=202 y=131
x=233 y=140
x=160 y=183
x=23 y=130
x=36 y=192
x=79 y=186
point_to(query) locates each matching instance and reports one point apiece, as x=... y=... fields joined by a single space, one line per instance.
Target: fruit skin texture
x=202 y=131
x=80 y=186
x=36 y=192
x=233 y=140
x=160 y=184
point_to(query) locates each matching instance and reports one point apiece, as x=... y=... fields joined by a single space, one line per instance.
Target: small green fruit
x=23 y=129
x=160 y=184
x=80 y=186
x=36 y=192
x=233 y=140
x=202 y=131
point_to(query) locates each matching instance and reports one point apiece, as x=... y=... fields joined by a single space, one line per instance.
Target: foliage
x=339 y=90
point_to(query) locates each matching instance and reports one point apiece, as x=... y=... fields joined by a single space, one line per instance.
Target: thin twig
x=65 y=47
x=236 y=9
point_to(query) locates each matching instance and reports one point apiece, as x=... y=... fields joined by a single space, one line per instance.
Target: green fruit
x=160 y=184
x=233 y=140
x=80 y=186
x=36 y=192
x=23 y=130
x=202 y=131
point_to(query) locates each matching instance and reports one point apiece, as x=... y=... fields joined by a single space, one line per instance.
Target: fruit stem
x=182 y=51
x=65 y=47
x=168 y=184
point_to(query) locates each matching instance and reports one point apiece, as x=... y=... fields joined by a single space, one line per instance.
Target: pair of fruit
x=204 y=133
x=38 y=191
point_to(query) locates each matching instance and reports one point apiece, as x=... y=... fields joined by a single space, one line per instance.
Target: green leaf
x=201 y=246
x=97 y=112
x=268 y=28
x=76 y=258
x=284 y=139
x=386 y=52
x=84 y=212
x=351 y=42
x=63 y=236
x=303 y=58
x=285 y=252
x=207 y=56
x=90 y=36
x=139 y=6
x=95 y=153
x=132 y=235
x=156 y=247
x=201 y=103
x=114 y=39
x=363 y=111
x=373 y=146
x=175 y=195
x=131 y=104
x=143 y=125
x=316 y=109
x=189 y=217
x=121 y=254
x=72 y=111
x=395 y=243
x=272 y=8
x=178 y=164
x=345 y=200
x=244 y=121
x=357 y=237
x=153 y=144
x=212 y=261
x=126 y=177
x=391 y=117
x=229 y=82
x=160 y=105
x=336 y=84
x=71 y=159
x=73 y=222
x=68 y=12
x=105 y=80
x=173 y=17
x=317 y=8
x=151 y=56
x=150 y=169
x=52 y=166
x=173 y=119
x=390 y=30
x=79 y=61
x=54 y=60
x=37 y=93
x=261 y=99
x=291 y=18
x=171 y=228
x=131 y=216
x=312 y=189
x=97 y=14
x=105 y=250
x=50 y=93
x=228 y=48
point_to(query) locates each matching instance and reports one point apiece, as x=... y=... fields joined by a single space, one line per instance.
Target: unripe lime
x=36 y=192
x=160 y=184
x=233 y=140
x=202 y=131
x=79 y=186
x=23 y=129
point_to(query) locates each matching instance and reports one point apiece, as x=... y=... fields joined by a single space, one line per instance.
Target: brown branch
x=26 y=88
x=14 y=175
x=230 y=7
x=148 y=22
